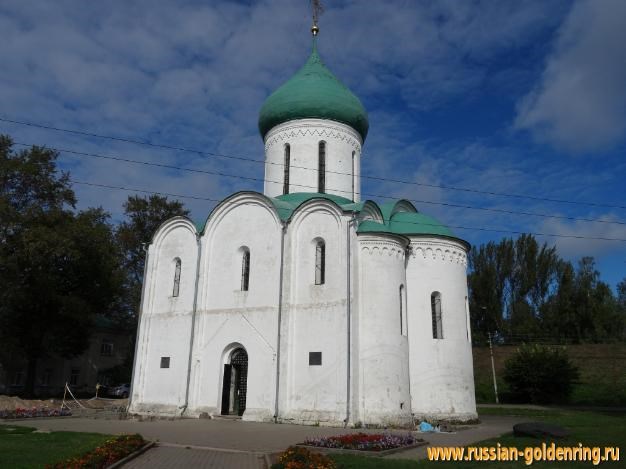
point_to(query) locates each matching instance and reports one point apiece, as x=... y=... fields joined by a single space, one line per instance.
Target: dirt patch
x=13 y=402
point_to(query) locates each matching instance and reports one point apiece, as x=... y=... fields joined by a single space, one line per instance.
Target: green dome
x=313 y=92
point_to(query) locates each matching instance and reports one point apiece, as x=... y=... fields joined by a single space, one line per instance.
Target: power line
x=253 y=160
x=129 y=189
x=256 y=179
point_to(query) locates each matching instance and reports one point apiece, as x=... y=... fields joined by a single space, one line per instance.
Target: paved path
x=168 y=457
x=492 y=426
x=228 y=443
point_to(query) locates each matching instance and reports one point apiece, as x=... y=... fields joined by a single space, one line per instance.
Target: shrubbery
x=113 y=450
x=296 y=457
x=540 y=374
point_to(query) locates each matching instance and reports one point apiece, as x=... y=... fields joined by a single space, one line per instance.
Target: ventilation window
x=165 y=362
x=176 y=289
x=315 y=358
x=321 y=169
x=435 y=305
x=245 y=269
x=286 y=169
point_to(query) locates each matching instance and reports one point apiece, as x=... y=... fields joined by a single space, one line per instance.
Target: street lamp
x=493 y=366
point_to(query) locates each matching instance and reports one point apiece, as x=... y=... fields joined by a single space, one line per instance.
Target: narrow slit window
x=467 y=319
x=435 y=304
x=321 y=169
x=286 y=169
x=245 y=270
x=320 y=263
x=403 y=325
x=176 y=289
x=353 y=175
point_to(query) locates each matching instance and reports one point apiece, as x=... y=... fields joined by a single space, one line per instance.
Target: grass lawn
x=21 y=448
x=590 y=429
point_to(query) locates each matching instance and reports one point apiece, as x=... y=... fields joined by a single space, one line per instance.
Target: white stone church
x=305 y=303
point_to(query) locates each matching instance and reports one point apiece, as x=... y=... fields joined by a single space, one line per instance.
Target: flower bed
x=111 y=451
x=301 y=458
x=364 y=441
x=33 y=412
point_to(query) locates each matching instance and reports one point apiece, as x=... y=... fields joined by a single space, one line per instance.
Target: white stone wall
x=395 y=371
x=383 y=374
x=442 y=380
x=165 y=321
x=228 y=317
x=314 y=318
x=303 y=136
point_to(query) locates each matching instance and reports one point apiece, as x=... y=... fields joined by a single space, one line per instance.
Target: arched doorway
x=235 y=383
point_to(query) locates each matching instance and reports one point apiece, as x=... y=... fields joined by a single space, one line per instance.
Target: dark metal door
x=240 y=362
x=226 y=389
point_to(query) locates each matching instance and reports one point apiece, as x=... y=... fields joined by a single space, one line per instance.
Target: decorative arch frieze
x=320 y=130
x=439 y=251
x=383 y=248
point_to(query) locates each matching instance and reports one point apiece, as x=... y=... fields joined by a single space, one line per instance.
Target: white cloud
x=194 y=74
x=580 y=104
x=573 y=248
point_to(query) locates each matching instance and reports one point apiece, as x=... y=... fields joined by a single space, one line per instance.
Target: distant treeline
x=520 y=289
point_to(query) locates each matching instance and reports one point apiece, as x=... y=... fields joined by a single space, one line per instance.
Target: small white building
x=306 y=304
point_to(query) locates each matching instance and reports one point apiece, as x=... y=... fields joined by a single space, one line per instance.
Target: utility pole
x=493 y=369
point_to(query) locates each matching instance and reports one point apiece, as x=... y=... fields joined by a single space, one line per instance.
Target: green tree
x=621 y=305
x=533 y=282
x=510 y=282
x=490 y=266
x=540 y=375
x=558 y=316
x=595 y=308
x=621 y=295
x=58 y=267
x=143 y=216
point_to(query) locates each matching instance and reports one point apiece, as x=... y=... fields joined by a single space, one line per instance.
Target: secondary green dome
x=313 y=92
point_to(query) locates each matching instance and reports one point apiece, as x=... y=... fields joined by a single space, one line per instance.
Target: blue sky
x=525 y=97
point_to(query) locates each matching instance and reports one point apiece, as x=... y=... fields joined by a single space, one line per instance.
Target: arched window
x=321 y=168
x=320 y=262
x=245 y=269
x=177 y=267
x=435 y=305
x=403 y=324
x=286 y=169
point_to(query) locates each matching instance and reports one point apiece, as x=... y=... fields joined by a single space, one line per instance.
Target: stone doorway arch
x=235 y=383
